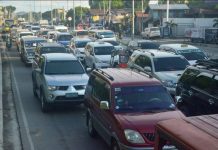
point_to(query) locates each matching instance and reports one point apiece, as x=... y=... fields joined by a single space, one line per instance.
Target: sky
x=44 y=5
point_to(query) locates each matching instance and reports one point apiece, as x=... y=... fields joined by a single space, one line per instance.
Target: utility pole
x=74 y=13
x=81 y=12
x=167 y=11
x=51 y=14
x=104 y=12
x=133 y=18
x=142 y=14
x=40 y=9
x=109 y=13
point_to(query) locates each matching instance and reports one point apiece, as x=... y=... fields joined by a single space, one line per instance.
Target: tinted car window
x=52 y=50
x=64 y=37
x=192 y=54
x=189 y=75
x=203 y=81
x=114 y=43
x=64 y=67
x=215 y=86
x=170 y=64
x=100 y=90
x=142 y=99
x=25 y=34
x=107 y=50
x=81 y=44
x=143 y=61
x=148 y=45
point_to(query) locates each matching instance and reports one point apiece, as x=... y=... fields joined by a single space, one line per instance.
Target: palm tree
x=215 y=23
x=10 y=10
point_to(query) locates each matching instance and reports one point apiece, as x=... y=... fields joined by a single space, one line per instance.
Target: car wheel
x=115 y=146
x=91 y=129
x=34 y=90
x=44 y=104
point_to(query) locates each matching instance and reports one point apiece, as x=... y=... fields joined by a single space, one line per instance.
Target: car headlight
x=133 y=136
x=168 y=83
x=52 y=88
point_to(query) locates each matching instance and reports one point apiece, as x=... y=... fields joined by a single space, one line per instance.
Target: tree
x=10 y=10
x=215 y=23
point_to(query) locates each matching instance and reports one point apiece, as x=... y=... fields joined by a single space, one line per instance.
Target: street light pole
x=74 y=13
x=133 y=20
x=109 y=9
x=51 y=14
x=167 y=11
x=142 y=14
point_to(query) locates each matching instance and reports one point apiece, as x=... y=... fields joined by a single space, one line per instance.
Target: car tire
x=91 y=129
x=34 y=90
x=44 y=104
x=114 y=145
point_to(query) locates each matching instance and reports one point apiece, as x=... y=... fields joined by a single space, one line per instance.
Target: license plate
x=69 y=95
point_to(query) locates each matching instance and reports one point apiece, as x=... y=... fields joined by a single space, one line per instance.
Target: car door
x=200 y=94
x=39 y=72
x=101 y=118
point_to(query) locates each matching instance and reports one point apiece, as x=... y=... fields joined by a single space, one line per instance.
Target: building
x=158 y=11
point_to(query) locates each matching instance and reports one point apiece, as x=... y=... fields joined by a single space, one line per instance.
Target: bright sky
x=44 y=5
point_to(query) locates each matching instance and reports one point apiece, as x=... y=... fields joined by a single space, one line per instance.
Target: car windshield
x=64 y=37
x=106 y=34
x=44 y=32
x=79 y=33
x=114 y=43
x=64 y=67
x=142 y=99
x=81 y=44
x=170 y=64
x=25 y=34
x=154 y=29
x=148 y=45
x=36 y=28
x=106 y=50
x=29 y=50
x=33 y=43
x=53 y=50
x=192 y=54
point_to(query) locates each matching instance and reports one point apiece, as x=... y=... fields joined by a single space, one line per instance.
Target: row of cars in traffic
x=122 y=104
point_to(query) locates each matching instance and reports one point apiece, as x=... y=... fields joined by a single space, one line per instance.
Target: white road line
x=22 y=111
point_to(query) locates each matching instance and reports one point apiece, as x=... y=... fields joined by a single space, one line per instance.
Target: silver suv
x=98 y=54
x=59 y=78
x=165 y=66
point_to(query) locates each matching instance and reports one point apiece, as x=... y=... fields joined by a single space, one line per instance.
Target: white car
x=166 y=67
x=103 y=35
x=98 y=55
x=151 y=32
x=191 y=53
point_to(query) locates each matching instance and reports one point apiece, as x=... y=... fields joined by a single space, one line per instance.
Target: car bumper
x=125 y=147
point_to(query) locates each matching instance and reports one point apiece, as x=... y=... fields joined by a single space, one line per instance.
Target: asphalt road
x=61 y=129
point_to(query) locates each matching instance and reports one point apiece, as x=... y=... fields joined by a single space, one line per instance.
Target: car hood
x=103 y=58
x=169 y=75
x=145 y=122
x=63 y=80
x=192 y=62
x=81 y=49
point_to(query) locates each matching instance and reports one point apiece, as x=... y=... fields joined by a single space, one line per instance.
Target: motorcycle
x=8 y=42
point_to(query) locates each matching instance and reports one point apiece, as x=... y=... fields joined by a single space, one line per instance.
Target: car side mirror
x=147 y=69
x=104 y=105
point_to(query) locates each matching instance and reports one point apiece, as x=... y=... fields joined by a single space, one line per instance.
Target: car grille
x=79 y=87
x=63 y=88
x=59 y=98
x=150 y=136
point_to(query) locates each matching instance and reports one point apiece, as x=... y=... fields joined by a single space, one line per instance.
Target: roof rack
x=105 y=74
x=211 y=63
x=142 y=72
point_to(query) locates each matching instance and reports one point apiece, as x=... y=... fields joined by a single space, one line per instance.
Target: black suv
x=197 y=89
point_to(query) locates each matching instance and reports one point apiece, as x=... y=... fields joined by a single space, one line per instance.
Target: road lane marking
x=22 y=110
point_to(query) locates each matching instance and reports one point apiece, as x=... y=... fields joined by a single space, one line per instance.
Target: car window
x=189 y=75
x=101 y=90
x=64 y=67
x=203 y=81
x=148 y=45
x=192 y=54
x=106 y=50
x=81 y=44
x=64 y=37
x=44 y=50
x=142 y=99
x=170 y=64
x=143 y=61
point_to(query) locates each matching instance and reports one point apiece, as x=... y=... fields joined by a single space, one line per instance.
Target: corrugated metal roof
x=171 y=6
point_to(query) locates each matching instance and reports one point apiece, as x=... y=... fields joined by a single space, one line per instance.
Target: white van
x=61 y=28
x=151 y=32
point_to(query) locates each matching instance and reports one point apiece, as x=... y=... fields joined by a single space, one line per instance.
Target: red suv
x=123 y=107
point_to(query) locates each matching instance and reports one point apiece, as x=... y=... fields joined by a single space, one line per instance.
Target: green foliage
x=215 y=23
x=10 y=10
